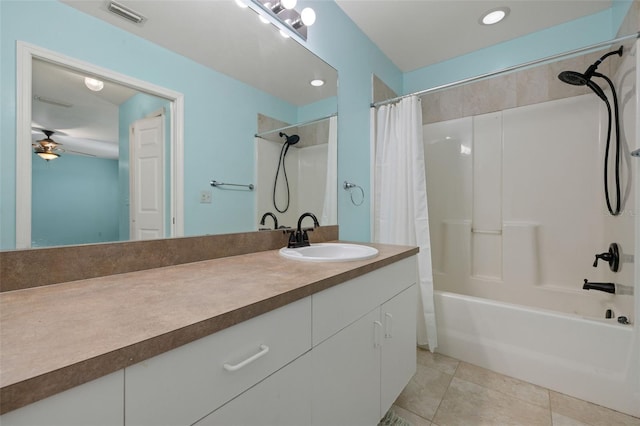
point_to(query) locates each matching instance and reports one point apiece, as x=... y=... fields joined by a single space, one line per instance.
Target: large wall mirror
x=205 y=113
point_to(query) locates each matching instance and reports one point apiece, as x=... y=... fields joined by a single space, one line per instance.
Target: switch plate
x=205 y=197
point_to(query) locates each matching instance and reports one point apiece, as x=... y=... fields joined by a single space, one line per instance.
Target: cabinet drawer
x=282 y=399
x=338 y=306
x=183 y=385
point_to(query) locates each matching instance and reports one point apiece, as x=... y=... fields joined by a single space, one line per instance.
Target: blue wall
x=74 y=200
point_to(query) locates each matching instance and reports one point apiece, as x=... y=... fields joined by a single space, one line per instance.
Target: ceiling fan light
x=47 y=155
x=93 y=84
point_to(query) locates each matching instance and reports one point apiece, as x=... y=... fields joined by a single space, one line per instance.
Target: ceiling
x=418 y=33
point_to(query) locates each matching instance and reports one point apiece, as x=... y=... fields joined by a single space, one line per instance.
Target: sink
x=329 y=252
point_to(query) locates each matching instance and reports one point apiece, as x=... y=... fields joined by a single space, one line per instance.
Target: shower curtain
x=400 y=198
x=330 y=206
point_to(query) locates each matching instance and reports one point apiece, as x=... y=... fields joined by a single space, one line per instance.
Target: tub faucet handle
x=612 y=257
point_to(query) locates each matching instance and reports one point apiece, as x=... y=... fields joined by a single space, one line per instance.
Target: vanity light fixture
x=317 y=82
x=124 y=12
x=93 y=84
x=494 y=16
x=286 y=16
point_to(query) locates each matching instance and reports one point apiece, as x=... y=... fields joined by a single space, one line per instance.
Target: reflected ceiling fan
x=48 y=149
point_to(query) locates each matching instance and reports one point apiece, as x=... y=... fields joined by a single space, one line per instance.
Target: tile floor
x=448 y=392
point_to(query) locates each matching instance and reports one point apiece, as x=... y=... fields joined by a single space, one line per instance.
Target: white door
x=146 y=178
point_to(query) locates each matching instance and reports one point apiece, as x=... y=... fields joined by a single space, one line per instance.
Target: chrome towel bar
x=216 y=184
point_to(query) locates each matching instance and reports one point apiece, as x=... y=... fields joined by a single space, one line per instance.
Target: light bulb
x=288 y=4
x=308 y=16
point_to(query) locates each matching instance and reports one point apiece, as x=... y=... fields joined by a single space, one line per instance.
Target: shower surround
x=517 y=214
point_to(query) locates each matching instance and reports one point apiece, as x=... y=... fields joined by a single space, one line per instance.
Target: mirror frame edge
x=25 y=53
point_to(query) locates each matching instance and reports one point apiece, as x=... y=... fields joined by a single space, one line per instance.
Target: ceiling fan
x=48 y=149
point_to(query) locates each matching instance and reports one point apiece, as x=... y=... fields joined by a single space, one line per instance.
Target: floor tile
x=560 y=420
x=424 y=392
x=466 y=403
x=505 y=384
x=588 y=413
x=412 y=418
x=439 y=362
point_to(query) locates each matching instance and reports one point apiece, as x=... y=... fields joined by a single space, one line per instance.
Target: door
x=146 y=181
x=398 y=317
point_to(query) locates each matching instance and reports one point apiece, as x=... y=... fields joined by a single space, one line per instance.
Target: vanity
x=249 y=339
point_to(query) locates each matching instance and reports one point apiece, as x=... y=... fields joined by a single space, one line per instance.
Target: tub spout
x=606 y=287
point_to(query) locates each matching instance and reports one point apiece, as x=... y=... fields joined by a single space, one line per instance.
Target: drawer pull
x=263 y=351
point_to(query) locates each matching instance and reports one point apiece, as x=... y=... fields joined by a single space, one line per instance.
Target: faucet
x=606 y=287
x=299 y=237
x=275 y=220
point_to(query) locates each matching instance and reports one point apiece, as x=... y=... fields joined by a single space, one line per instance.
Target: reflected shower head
x=290 y=140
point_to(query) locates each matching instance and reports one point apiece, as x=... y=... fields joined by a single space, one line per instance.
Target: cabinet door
x=398 y=317
x=96 y=403
x=346 y=378
x=282 y=399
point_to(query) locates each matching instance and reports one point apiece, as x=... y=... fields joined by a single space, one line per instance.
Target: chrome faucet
x=275 y=220
x=299 y=237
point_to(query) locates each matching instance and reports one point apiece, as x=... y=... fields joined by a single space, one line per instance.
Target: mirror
x=223 y=87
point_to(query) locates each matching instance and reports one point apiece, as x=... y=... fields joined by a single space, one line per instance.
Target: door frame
x=26 y=52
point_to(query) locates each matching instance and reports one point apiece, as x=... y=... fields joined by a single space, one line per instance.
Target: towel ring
x=348 y=186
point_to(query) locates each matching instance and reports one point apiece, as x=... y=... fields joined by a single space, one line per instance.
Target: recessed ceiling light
x=317 y=82
x=494 y=16
x=93 y=84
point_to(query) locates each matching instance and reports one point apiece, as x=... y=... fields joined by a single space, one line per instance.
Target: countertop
x=59 y=336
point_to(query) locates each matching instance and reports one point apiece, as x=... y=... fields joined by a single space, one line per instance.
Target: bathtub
x=595 y=360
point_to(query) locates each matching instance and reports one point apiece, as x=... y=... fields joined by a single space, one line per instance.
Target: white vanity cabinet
x=364 y=345
x=184 y=385
x=338 y=357
x=99 y=402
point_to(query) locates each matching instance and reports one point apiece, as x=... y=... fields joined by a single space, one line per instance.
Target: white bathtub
x=590 y=359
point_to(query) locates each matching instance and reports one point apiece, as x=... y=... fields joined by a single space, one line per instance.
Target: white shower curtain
x=400 y=198
x=330 y=207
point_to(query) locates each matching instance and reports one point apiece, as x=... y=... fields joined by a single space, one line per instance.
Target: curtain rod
x=508 y=69
x=259 y=135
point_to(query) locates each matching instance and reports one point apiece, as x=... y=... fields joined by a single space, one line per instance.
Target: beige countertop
x=59 y=336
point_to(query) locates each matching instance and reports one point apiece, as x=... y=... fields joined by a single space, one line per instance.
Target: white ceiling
x=418 y=33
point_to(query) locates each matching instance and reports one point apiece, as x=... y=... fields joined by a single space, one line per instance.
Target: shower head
x=573 y=77
x=578 y=79
x=290 y=140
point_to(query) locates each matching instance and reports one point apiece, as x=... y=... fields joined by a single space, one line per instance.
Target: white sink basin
x=329 y=252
